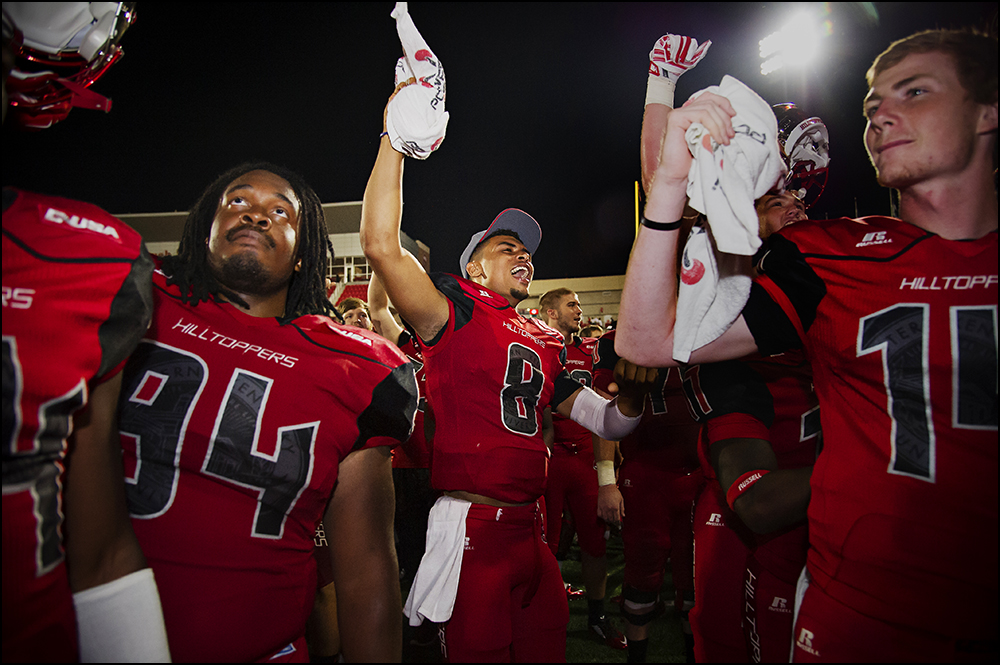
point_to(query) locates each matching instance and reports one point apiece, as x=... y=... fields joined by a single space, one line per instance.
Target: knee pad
x=639 y=597
x=634 y=599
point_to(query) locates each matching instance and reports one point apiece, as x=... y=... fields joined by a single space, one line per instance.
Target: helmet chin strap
x=85 y=98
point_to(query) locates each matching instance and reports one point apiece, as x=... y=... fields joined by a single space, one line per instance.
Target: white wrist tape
x=122 y=621
x=660 y=90
x=602 y=416
x=605 y=472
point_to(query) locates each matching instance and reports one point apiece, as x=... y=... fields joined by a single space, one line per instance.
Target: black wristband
x=660 y=226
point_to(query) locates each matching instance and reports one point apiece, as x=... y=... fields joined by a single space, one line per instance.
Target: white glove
x=672 y=55
x=416 y=120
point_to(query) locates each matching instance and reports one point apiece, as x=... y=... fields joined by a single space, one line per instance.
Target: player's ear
x=298 y=265
x=987 y=118
x=474 y=269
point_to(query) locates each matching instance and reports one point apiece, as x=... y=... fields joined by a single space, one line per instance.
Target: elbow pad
x=602 y=416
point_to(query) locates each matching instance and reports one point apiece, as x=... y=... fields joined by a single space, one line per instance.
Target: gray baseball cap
x=518 y=221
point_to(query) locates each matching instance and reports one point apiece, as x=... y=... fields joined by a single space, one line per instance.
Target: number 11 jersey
x=901 y=328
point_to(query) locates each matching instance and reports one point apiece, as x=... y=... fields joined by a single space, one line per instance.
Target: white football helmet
x=59 y=50
x=805 y=147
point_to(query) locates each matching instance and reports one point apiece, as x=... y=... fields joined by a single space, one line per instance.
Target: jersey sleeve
x=388 y=419
x=462 y=306
x=131 y=312
x=605 y=360
x=784 y=299
x=732 y=387
x=565 y=385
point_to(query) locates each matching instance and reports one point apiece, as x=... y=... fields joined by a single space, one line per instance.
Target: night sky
x=545 y=100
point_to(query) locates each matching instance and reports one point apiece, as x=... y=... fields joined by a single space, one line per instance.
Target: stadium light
x=794 y=45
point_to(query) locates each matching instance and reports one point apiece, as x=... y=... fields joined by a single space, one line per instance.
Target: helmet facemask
x=59 y=50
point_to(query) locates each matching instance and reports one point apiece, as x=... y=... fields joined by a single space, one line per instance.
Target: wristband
x=743 y=484
x=383 y=134
x=605 y=472
x=121 y=621
x=660 y=226
x=659 y=90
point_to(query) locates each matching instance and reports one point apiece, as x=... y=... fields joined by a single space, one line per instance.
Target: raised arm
x=410 y=288
x=378 y=305
x=649 y=298
x=671 y=57
x=654 y=122
x=365 y=571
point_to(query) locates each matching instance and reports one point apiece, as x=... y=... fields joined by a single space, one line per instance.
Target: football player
x=898 y=317
x=572 y=472
x=489 y=374
x=656 y=486
x=760 y=414
x=247 y=416
x=76 y=300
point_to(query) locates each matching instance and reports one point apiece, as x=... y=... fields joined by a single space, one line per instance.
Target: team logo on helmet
x=805 y=147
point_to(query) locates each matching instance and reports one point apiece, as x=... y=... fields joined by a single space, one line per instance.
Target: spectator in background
x=355 y=313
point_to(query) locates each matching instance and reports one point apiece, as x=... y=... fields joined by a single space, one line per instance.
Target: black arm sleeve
x=787 y=268
x=718 y=389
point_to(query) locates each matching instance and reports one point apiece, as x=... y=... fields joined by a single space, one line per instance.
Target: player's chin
x=895 y=177
x=519 y=294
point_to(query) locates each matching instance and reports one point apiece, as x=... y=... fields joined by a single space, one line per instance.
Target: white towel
x=714 y=288
x=724 y=181
x=435 y=586
x=416 y=121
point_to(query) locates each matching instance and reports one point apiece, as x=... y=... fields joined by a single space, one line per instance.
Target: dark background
x=545 y=100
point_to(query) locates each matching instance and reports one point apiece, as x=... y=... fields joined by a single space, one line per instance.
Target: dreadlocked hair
x=307 y=291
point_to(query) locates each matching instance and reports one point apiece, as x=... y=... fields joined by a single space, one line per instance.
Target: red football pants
x=720 y=557
x=658 y=504
x=511 y=604
x=769 y=581
x=573 y=484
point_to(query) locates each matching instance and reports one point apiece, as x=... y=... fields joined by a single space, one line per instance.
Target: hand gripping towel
x=725 y=180
x=416 y=120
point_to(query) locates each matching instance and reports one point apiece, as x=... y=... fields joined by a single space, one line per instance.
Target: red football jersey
x=794 y=434
x=233 y=428
x=901 y=329
x=569 y=436
x=775 y=391
x=668 y=432
x=415 y=453
x=76 y=301
x=490 y=374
